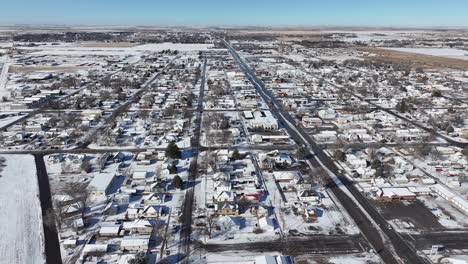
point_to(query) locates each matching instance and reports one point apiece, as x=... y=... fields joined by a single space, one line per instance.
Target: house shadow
x=318 y=212
x=122 y=208
x=116 y=184
x=241 y=222
x=91 y=222
x=168 y=198
x=191 y=184
x=185 y=154
x=173 y=258
x=135 y=198
x=276 y=225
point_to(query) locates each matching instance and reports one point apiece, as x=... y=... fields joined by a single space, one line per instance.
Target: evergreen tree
x=173 y=169
x=339 y=155
x=402 y=106
x=139 y=258
x=173 y=151
x=301 y=153
x=236 y=155
x=465 y=151
x=177 y=182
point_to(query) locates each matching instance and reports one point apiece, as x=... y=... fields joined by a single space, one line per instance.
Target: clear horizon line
x=175 y=25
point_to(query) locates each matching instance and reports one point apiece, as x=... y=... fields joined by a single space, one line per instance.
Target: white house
x=154 y=198
x=140 y=226
x=223 y=196
x=222 y=185
x=308 y=196
x=355 y=162
x=266 y=223
x=110 y=229
x=100 y=184
x=261 y=119
x=135 y=243
x=228 y=223
x=327 y=114
x=94 y=249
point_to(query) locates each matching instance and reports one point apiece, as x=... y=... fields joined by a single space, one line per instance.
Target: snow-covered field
x=75 y=50
x=20 y=212
x=4 y=65
x=441 y=52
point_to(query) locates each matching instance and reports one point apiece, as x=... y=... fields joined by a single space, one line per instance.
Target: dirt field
x=415 y=213
x=280 y=34
x=95 y=44
x=415 y=60
x=25 y=69
x=284 y=32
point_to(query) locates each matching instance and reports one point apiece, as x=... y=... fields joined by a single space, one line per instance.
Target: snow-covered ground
x=9 y=119
x=4 y=65
x=75 y=50
x=355 y=259
x=441 y=52
x=20 y=212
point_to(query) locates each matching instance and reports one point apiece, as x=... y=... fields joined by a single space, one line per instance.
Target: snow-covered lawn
x=20 y=212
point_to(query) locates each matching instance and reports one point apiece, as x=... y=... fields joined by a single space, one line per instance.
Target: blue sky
x=237 y=12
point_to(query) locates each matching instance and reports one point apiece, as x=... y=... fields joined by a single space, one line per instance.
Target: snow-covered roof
x=101 y=182
x=138 y=241
x=391 y=191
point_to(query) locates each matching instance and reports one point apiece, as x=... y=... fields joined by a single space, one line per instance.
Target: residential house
x=135 y=243
x=226 y=208
x=139 y=226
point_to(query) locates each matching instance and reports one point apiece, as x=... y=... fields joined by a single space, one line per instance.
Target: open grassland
x=413 y=59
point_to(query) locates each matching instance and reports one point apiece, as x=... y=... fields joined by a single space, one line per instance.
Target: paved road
x=51 y=240
x=373 y=226
x=450 y=240
x=319 y=244
x=186 y=229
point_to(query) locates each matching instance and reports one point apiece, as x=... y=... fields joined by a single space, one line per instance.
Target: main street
x=391 y=247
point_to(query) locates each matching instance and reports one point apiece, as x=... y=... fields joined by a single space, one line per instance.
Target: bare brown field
x=282 y=32
x=413 y=59
x=95 y=44
x=26 y=69
x=312 y=38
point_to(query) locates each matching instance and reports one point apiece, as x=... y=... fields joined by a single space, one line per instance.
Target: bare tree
x=169 y=111
x=210 y=224
x=79 y=193
x=144 y=114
